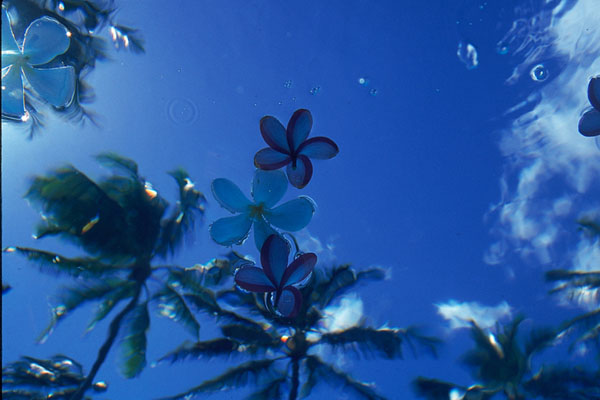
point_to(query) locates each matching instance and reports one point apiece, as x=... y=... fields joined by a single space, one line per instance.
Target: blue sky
x=464 y=183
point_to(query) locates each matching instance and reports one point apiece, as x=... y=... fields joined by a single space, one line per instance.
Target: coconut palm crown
x=120 y=222
x=284 y=356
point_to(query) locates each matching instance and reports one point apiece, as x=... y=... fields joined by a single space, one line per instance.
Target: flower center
x=256 y=210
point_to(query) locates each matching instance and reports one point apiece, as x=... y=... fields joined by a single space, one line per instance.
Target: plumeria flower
x=290 y=147
x=589 y=124
x=268 y=187
x=44 y=39
x=276 y=276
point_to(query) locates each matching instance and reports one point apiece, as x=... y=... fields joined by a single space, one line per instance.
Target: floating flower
x=290 y=147
x=268 y=187
x=276 y=276
x=589 y=124
x=45 y=38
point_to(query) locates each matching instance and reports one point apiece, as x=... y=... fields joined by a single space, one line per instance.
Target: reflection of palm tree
x=577 y=282
x=119 y=222
x=288 y=348
x=503 y=367
x=36 y=379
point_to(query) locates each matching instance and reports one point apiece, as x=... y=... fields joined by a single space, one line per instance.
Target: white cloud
x=312 y=244
x=460 y=315
x=550 y=168
x=347 y=314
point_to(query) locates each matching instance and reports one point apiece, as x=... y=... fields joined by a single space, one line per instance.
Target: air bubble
x=467 y=53
x=373 y=92
x=287 y=84
x=363 y=81
x=182 y=111
x=539 y=73
x=315 y=90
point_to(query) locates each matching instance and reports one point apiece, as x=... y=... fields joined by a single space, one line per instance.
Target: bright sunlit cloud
x=460 y=314
x=550 y=168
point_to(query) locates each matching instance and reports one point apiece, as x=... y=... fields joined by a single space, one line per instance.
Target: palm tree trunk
x=113 y=331
x=295 y=379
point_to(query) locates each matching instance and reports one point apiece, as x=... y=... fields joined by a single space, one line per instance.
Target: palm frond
x=590 y=226
x=133 y=343
x=587 y=325
x=253 y=336
x=574 y=279
x=538 y=340
x=183 y=216
x=173 y=306
x=384 y=342
x=125 y=290
x=119 y=163
x=434 y=389
x=71 y=298
x=335 y=377
x=77 y=209
x=562 y=382
x=58 y=264
x=340 y=280
x=206 y=349
x=135 y=41
x=232 y=378
x=270 y=391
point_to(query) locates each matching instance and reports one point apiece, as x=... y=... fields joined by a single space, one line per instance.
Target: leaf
x=71 y=298
x=127 y=289
x=340 y=280
x=232 y=378
x=565 y=382
x=205 y=349
x=58 y=264
x=335 y=378
x=433 y=389
x=270 y=391
x=173 y=306
x=250 y=335
x=120 y=163
x=133 y=343
x=385 y=342
x=183 y=216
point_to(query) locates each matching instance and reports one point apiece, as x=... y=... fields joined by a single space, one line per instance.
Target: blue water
x=460 y=171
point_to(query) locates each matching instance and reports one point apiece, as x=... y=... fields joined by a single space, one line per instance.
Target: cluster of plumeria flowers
x=289 y=148
x=23 y=66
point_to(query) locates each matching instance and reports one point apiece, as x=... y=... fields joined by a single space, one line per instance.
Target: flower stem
x=295 y=379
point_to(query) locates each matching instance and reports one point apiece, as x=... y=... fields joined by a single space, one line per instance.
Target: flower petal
x=298 y=128
x=268 y=187
x=10 y=48
x=589 y=123
x=12 y=92
x=55 y=85
x=253 y=279
x=300 y=174
x=299 y=269
x=292 y=215
x=594 y=92
x=320 y=148
x=290 y=301
x=274 y=134
x=269 y=159
x=229 y=195
x=45 y=38
x=231 y=230
x=274 y=258
x=262 y=230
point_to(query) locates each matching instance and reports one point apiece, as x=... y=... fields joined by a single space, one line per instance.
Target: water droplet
x=287 y=84
x=279 y=102
x=293 y=98
x=315 y=90
x=179 y=69
x=502 y=49
x=182 y=111
x=539 y=73
x=467 y=54
x=10 y=249
x=60 y=310
x=373 y=92
x=167 y=310
x=100 y=386
x=363 y=81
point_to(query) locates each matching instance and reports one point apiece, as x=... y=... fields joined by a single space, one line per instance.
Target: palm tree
x=284 y=353
x=503 y=367
x=40 y=379
x=576 y=281
x=119 y=221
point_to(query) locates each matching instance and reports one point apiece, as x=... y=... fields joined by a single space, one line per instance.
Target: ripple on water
x=182 y=111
